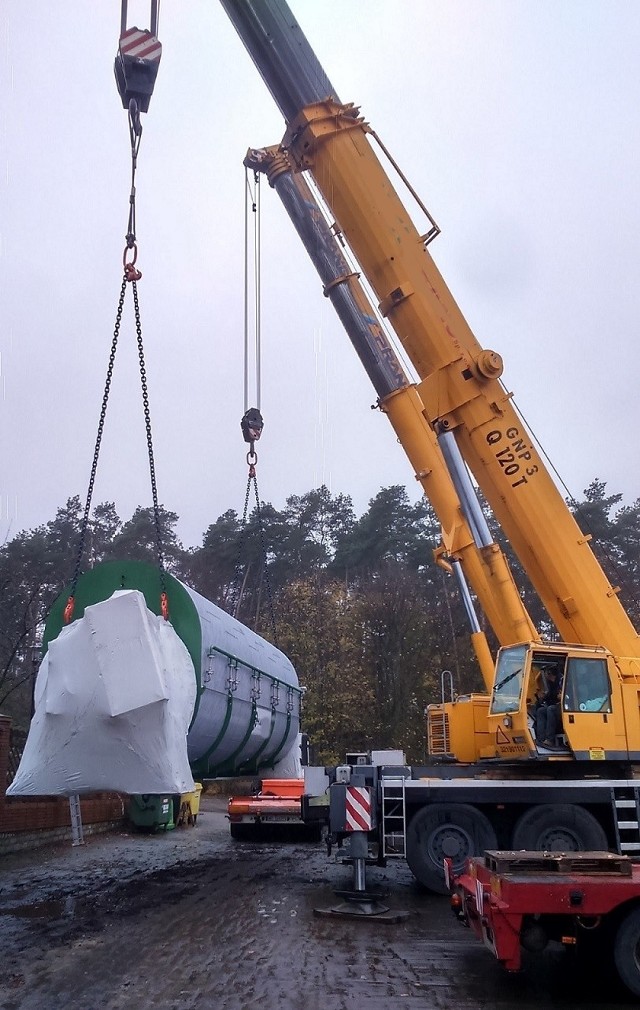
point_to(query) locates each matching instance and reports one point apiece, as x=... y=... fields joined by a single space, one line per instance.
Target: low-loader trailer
x=589 y=901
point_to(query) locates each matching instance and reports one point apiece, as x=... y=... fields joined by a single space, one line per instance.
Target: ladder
x=626 y=807
x=394 y=820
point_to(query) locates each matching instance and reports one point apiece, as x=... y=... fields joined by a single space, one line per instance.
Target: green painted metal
x=100 y=583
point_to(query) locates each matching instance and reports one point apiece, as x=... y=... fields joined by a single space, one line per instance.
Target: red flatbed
x=524 y=899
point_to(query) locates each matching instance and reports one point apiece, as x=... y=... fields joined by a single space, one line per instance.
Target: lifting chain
x=252 y=459
x=131 y=276
x=69 y=607
x=164 y=606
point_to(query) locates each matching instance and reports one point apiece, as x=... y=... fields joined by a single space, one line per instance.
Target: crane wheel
x=456 y=830
x=559 y=827
x=626 y=951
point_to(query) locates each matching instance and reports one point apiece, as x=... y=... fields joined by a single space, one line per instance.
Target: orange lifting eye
x=68 y=610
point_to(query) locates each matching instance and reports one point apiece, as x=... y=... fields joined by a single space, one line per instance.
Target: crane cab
x=582 y=683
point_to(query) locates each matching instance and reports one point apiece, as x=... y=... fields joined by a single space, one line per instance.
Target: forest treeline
x=357 y=603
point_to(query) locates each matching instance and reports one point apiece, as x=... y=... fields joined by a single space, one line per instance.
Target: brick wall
x=45 y=818
x=31 y=814
x=24 y=841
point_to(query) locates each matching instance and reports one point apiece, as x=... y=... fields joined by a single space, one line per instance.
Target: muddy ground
x=191 y=919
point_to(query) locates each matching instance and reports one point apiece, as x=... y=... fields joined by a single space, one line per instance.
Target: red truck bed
x=522 y=899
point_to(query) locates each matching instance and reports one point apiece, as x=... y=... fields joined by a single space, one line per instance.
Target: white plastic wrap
x=290 y=764
x=113 y=701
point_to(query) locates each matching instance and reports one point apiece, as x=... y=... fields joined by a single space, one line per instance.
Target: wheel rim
x=559 y=838
x=450 y=840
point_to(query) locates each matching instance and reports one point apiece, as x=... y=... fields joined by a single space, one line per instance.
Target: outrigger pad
x=114 y=698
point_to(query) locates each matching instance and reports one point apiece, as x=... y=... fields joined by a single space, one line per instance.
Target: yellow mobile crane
x=512 y=788
x=484 y=568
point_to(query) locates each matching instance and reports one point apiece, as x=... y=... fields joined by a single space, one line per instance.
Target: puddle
x=62 y=909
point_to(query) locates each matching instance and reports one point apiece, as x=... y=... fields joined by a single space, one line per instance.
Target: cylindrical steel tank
x=247 y=710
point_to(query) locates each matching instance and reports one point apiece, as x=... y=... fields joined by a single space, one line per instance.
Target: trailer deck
x=515 y=900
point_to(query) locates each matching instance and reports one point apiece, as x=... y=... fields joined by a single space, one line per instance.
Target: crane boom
x=460 y=383
x=485 y=567
x=575 y=702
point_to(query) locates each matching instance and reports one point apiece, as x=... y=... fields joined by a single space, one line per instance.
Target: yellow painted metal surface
x=487 y=571
x=456 y=386
x=467 y=736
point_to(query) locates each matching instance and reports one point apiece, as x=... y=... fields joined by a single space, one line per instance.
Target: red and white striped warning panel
x=140 y=43
x=358 y=809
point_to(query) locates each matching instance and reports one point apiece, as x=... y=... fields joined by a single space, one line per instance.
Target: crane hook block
x=252 y=425
x=136 y=66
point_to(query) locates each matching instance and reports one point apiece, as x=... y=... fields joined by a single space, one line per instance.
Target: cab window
x=508 y=683
x=587 y=686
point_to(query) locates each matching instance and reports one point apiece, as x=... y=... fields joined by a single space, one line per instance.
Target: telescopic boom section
x=281 y=53
x=460 y=386
x=486 y=569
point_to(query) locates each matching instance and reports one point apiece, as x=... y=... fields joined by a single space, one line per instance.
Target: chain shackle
x=131 y=274
x=252 y=459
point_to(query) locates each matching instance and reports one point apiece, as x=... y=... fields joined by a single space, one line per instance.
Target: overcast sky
x=516 y=121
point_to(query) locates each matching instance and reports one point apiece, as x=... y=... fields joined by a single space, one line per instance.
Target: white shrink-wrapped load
x=114 y=698
x=128 y=701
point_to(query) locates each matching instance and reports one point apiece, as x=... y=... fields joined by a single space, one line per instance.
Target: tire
x=626 y=951
x=243 y=832
x=559 y=827
x=313 y=832
x=456 y=830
